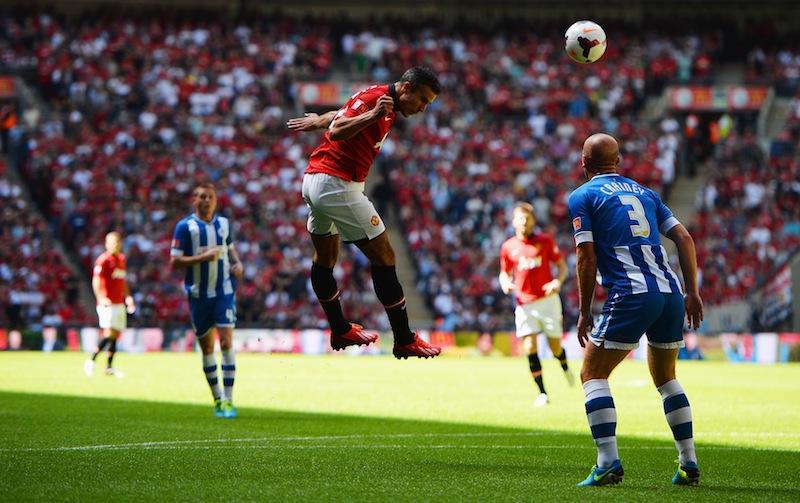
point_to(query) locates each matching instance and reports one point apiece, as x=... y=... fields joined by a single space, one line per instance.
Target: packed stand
x=775 y=60
x=145 y=109
x=36 y=287
x=748 y=219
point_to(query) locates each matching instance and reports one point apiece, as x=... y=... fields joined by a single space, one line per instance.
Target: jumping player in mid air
x=333 y=189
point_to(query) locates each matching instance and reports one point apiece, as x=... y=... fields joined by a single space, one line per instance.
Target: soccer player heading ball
x=333 y=189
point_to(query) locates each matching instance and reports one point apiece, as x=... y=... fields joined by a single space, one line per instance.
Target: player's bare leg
x=531 y=346
x=677 y=410
x=206 y=343
x=561 y=356
x=598 y=363
x=343 y=333
x=407 y=343
x=228 y=370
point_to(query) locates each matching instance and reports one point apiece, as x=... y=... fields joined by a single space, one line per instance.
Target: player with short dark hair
x=616 y=223
x=525 y=270
x=203 y=245
x=333 y=189
x=114 y=300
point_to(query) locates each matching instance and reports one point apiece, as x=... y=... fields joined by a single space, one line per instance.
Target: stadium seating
x=144 y=108
x=36 y=287
x=748 y=219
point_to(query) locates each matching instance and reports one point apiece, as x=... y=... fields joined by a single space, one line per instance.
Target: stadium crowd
x=143 y=109
x=748 y=218
x=36 y=286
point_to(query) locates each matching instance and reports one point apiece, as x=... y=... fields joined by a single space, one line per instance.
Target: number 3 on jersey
x=642 y=226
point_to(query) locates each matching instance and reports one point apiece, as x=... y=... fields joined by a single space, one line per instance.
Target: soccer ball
x=585 y=42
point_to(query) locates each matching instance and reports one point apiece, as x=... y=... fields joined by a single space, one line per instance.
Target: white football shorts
x=113 y=317
x=540 y=316
x=340 y=207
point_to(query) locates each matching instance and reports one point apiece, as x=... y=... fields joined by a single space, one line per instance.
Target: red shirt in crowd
x=351 y=159
x=529 y=261
x=110 y=269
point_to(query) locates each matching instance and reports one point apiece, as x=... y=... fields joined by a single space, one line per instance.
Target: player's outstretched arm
x=587 y=274
x=311 y=121
x=688 y=260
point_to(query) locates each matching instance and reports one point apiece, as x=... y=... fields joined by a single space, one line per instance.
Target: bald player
x=616 y=223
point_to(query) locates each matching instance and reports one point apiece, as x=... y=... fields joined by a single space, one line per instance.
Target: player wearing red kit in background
x=114 y=301
x=525 y=270
x=333 y=188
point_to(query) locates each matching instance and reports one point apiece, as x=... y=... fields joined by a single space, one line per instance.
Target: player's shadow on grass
x=71 y=446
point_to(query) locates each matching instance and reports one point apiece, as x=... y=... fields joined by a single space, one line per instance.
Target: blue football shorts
x=625 y=318
x=216 y=311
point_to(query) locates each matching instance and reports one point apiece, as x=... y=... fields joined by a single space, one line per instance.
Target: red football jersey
x=111 y=271
x=351 y=159
x=529 y=261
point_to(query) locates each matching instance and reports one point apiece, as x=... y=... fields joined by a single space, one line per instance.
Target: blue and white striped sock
x=228 y=372
x=602 y=420
x=679 y=418
x=210 y=369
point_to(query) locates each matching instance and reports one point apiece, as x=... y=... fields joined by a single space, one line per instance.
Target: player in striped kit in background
x=617 y=223
x=203 y=245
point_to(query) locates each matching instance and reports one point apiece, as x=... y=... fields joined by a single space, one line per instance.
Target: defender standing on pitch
x=333 y=188
x=525 y=261
x=114 y=301
x=616 y=223
x=203 y=245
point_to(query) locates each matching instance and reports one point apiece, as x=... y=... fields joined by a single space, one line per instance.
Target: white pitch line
x=228 y=443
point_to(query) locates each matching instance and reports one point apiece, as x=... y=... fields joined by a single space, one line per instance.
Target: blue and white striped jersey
x=623 y=218
x=194 y=236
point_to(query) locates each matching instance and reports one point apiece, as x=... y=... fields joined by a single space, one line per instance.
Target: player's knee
x=662 y=377
x=591 y=371
x=326 y=260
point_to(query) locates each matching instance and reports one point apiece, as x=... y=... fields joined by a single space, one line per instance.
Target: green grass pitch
x=342 y=428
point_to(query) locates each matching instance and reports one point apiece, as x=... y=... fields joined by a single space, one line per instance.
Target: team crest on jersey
x=375 y=220
x=576 y=223
x=359 y=106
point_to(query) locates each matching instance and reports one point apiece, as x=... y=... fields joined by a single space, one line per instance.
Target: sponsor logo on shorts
x=375 y=220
